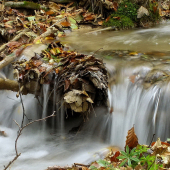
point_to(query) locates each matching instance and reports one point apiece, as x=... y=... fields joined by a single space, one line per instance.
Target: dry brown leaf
x=114 y=158
x=36 y=63
x=100 y=22
x=107 y=19
x=131 y=139
x=65 y=24
x=67 y=85
x=50 y=12
x=89 y=18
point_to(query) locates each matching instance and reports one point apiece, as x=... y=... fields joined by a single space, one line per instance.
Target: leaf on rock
x=131 y=139
x=77 y=100
x=142 y=11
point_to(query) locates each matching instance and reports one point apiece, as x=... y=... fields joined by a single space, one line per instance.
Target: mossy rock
x=119 y=21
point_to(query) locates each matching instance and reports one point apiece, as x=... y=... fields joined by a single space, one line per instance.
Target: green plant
x=146 y=159
x=103 y=164
x=153 y=13
x=119 y=21
x=128 y=9
x=129 y=157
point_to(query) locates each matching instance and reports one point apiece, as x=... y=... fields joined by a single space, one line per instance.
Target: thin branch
x=15 y=158
x=19 y=134
x=24 y=114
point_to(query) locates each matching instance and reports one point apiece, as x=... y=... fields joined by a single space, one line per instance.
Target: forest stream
x=138 y=63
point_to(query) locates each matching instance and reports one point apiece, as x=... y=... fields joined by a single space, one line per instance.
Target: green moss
x=128 y=9
x=119 y=21
x=31 y=5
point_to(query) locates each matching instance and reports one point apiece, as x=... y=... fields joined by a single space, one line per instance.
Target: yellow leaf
x=133 y=53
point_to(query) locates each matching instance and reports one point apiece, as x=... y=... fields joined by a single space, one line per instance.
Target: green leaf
x=32 y=18
x=103 y=163
x=46 y=59
x=74 y=26
x=127 y=149
x=124 y=153
x=78 y=18
x=132 y=151
x=135 y=159
x=92 y=167
x=129 y=162
x=168 y=139
x=121 y=157
x=123 y=162
x=72 y=21
x=53 y=56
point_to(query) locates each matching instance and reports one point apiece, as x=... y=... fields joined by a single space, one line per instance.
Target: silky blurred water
x=147 y=109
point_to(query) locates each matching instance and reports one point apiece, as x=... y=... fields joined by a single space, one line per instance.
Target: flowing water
x=138 y=97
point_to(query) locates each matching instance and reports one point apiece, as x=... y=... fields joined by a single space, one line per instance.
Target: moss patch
x=119 y=21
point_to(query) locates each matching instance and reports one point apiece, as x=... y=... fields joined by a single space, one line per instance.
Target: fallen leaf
x=115 y=6
x=100 y=22
x=114 y=158
x=142 y=11
x=131 y=139
x=155 y=8
x=133 y=53
x=36 y=63
x=107 y=19
x=65 y=24
x=12 y=31
x=89 y=18
x=50 y=12
x=67 y=85
x=42 y=69
x=19 y=51
x=14 y=44
x=118 y=18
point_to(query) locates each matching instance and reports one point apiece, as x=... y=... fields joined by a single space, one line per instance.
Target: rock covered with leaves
x=81 y=79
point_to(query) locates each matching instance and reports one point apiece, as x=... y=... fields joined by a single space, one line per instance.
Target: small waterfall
x=45 y=103
x=147 y=109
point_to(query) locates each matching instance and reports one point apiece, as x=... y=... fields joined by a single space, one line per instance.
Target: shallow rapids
x=143 y=40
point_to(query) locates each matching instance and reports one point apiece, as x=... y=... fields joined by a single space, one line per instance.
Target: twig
x=15 y=158
x=19 y=134
x=24 y=114
x=151 y=140
x=77 y=164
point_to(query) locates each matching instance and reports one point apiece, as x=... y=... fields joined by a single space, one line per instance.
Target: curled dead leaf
x=131 y=139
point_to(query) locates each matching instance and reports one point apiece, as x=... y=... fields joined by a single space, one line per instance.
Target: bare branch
x=15 y=158
x=19 y=134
